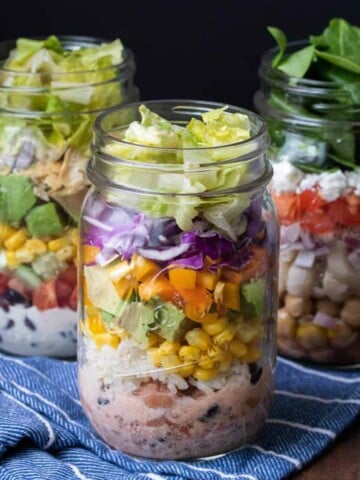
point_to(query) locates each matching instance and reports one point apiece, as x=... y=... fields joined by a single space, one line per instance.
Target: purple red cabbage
x=120 y=232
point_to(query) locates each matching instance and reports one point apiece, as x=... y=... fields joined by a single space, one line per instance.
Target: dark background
x=205 y=49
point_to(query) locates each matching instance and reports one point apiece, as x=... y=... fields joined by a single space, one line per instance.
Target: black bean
x=14 y=297
x=30 y=324
x=1 y=339
x=211 y=412
x=9 y=324
x=4 y=304
x=255 y=373
x=63 y=334
x=103 y=401
x=34 y=344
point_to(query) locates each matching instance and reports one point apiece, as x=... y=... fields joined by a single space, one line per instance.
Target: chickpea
x=300 y=281
x=290 y=348
x=350 y=312
x=286 y=324
x=325 y=305
x=311 y=336
x=342 y=335
x=297 y=306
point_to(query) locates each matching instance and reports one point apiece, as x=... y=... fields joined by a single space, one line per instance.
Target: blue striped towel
x=45 y=435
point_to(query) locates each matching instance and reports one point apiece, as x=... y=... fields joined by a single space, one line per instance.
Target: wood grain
x=340 y=462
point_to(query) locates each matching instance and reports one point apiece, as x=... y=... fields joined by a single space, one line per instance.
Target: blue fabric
x=45 y=435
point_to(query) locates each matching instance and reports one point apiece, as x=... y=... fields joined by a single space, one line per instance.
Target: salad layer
x=178 y=305
x=47 y=94
x=310 y=99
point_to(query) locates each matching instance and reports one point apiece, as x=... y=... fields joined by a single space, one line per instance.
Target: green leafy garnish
x=281 y=40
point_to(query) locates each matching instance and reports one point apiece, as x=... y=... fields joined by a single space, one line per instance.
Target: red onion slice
x=324 y=320
x=163 y=255
x=305 y=259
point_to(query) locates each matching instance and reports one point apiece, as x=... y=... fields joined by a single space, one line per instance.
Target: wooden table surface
x=340 y=462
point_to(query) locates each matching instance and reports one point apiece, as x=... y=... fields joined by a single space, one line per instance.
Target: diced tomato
x=317 y=222
x=63 y=292
x=345 y=213
x=17 y=285
x=310 y=200
x=4 y=279
x=44 y=296
x=69 y=276
x=73 y=300
x=287 y=205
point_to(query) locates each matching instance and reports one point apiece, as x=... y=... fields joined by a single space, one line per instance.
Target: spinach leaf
x=281 y=40
x=341 y=41
x=297 y=64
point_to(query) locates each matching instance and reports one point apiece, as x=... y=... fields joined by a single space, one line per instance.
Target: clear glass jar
x=315 y=131
x=45 y=134
x=178 y=294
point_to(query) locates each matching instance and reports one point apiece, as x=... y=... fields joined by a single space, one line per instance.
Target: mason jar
x=45 y=132
x=315 y=131
x=178 y=292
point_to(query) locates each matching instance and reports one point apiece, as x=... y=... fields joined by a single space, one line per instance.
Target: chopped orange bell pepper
x=89 y=253
x=182 y=277
x=193 y=313
x=198 y=299
x=207 y=279
x=157 y=287
x=143 y=267
x=231 y=296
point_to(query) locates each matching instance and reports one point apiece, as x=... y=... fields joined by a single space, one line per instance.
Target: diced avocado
x=254 y=294
x=44 y=220
x=137 y=319
x=27 y=275
x=171 y=321
x=16 y=198
x=102 y=292
x=48 y=266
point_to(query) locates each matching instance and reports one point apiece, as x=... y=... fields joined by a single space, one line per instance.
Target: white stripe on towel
x=317 y=399
x=318 y=373
x=49 y=428
x=308 y=428
x=293 y=460
x=77 y=472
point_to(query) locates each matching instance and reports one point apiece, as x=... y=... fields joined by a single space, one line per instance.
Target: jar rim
x=73 y=42
x=179 y=106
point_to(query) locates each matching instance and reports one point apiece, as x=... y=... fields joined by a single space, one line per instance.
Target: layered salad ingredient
x=316 y=188
x=176 y=357
x=47 y=96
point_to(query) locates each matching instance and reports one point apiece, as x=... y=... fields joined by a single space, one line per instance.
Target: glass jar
x=178 y=293
x=45 y=134
x=315 y=131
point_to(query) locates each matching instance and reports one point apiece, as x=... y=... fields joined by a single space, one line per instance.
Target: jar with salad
x=51 y=90
x=310 y=98
x=178 y=273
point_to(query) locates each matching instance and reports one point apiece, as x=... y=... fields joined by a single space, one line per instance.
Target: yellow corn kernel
x=153 y=340
x=6 y=231
x=247 y=333
x=24 y=255
x=186 y=370
x=253 y=353
x=155 y=356
x=66 y=253
x=198 y=338
x=95 y=324
x=189 y=353
x=168 y=348
x=204 y=375
x=215 y=352
x=216 y=327
x=226 y=362
x=171 y=362
x=58 y=243
x=73 y=235
x=11 y=259
x=237 y=348
x=102 y=339
x=206 y=362
x=224 y=338
x=16 y=240
x=35 y=245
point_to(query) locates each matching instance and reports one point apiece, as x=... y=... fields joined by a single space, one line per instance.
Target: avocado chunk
x=102 y=292
x=44 y=220
x=137 y=319
x=16 y=198
x=47 y=266
x=254 y=296
x=27 y=275
x=172 y=322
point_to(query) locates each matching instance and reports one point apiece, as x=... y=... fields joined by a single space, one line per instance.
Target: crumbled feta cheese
x=353 y=179
x=286 y=177
x=333 y=185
